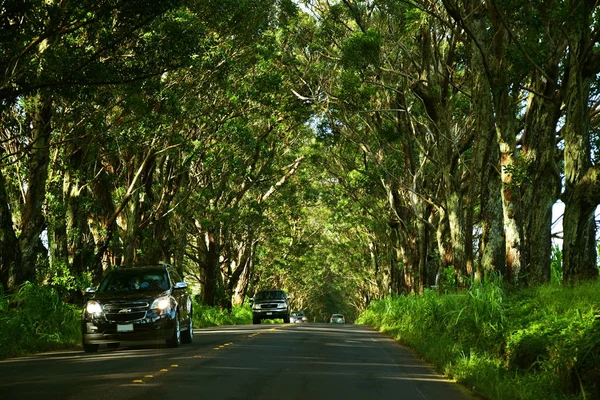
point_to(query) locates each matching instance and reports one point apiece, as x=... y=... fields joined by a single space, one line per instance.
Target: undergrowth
x=37 y=319
x=533 y=343
x=205 y=316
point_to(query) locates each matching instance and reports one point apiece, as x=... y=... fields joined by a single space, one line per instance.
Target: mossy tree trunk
x=582 y=180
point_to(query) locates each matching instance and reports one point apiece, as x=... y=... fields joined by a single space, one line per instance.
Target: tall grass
x=205 y=316
x=36 y=319
x=527 y=344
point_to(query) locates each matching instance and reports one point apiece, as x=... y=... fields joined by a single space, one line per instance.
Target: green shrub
x=542 y=342
x=36 y=319
x=205 y=316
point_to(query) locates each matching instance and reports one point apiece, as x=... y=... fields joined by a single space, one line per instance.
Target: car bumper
x=145 y=330
x=269 y=314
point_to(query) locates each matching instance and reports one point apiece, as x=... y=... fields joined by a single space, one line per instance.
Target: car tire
x=90 y=348
x=175 y=341
x=188 y=335
x=286 y=320
x=256 y=321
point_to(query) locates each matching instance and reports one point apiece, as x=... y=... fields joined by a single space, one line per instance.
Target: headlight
x=255 y=306
x=93 y=307
x=161 y=304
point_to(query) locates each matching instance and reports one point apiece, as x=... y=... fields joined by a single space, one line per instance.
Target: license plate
x=125 y=328
x=269 y=313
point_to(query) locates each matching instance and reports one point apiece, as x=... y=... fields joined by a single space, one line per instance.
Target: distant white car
x=297 y=317
x=337 y=319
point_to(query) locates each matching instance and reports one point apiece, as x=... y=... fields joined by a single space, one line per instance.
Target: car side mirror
x=180 y=285
x=90 y=290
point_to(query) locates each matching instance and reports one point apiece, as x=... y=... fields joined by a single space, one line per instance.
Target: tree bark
x=581 y=180
x=543 y=187
x=9 y=246
x=33 y=221
x=212 y=271
x=485 y=180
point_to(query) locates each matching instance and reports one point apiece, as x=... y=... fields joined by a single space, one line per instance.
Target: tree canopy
x=343 y=150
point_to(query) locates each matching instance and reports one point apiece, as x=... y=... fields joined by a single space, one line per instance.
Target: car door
x=181 y=295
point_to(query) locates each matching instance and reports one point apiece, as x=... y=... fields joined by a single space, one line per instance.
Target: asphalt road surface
x=303 y=361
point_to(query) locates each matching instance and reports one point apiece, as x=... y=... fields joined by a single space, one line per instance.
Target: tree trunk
x=57 y=229
x=212 y=271
x=131 y=240
x=240 y=279
x=33 y=221
x=9 y=245
x=539 y=148
x=485 y=181
x=581 y=181
x=396 y=271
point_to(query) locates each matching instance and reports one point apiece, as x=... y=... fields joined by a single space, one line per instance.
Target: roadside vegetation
x=537 y=343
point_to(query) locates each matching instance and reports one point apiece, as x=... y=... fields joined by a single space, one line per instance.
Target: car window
x=175 y=276
x=270 y=295
x=127 y=281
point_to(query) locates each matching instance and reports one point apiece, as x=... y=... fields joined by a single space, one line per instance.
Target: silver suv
x=270 y=304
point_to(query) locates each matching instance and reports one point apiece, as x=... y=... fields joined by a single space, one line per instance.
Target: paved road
x=305 y=361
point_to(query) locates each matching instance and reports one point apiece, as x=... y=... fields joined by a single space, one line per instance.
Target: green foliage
x=556 y=271
x=37 y=319
x=205 y=316
x=447 y=280
x=533 y=343
x=361 y=50
x=60 y=278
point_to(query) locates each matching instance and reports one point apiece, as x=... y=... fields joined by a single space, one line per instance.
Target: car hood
x=269 y=301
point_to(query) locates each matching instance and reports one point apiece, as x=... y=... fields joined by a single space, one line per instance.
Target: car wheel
x=90 y=348
x=256 y=321
x=175 y=341
x=188 y=335
x=286 y=320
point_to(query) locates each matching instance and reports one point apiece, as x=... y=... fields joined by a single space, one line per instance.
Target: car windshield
x=270 y=295
x=132 y=280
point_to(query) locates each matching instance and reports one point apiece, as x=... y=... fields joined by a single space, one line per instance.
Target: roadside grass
x=36 y=319
x=537 y=343
x=205 y=316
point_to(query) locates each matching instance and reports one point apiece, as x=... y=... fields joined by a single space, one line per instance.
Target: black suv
x=145 y=303
x=270 y=304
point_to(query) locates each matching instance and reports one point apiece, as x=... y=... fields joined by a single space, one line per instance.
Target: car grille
x=271 y=305
x=125 y=311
